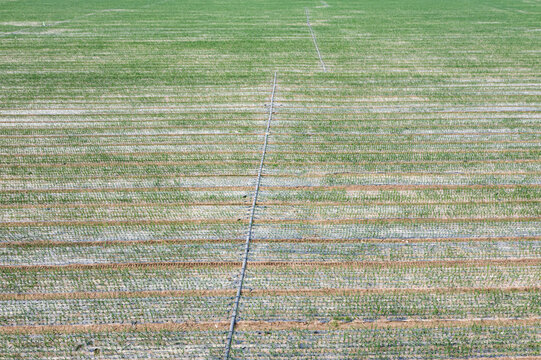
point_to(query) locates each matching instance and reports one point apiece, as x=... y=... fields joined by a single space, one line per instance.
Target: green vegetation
x=131 y=135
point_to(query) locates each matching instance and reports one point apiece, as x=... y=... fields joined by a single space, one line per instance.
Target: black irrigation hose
x=314 y=38
x=250 y=228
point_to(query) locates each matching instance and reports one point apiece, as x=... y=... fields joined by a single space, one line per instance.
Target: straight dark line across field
x=235 y=309
x=314 y=39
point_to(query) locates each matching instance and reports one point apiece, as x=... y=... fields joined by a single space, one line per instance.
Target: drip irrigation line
x=250 y=228
x=315 y=41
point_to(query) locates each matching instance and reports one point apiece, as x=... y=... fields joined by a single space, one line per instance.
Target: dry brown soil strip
x=47 y=243
x=288 y=264
x=159 y=264
x=244 y=325
x=267 y=188
x=244 y=162
x=121 y=222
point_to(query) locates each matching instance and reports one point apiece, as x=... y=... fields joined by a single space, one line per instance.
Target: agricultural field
x=251 y=179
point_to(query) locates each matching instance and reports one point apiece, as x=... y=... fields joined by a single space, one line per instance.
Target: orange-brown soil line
x=247 y=325
x=157 y=127
x=357 y=99
x=404 y=187
x=131 y=163
x=533 y=357
x=262 y=292
x=117 y=294
x=37 y=136
x=175 y=176
x=285 y=109
x=377 y=152
x=409 y=142
x=338 y=291
x=159 y=264
x=121 y=222
x=131 y=204
x=400 y=220
x=131 y=189
x=248 y=188
x=269 y=221
x=398 y=240
x=339 y=134
x=244 y=325
x=137 y=144
x=136 y=121
x=393 y=126
x=75 y=329
x=48 y=243
x=287 y=264
x=315 y=203
x=91 y=111
x=397 y=264
x=408 y=162
x=402 y=173
x=134 y=153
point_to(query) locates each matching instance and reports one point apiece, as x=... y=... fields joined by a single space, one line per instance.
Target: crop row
x=278 y=125
x=441 y=343
x=140 y=253
x=120 y=232
x=254 y=128
x=292 y=140
x=248 y=157
x=398 y=307
x=466 y=342
x=260 y=251
x=26 y=150
x=121 y=279
x=294 y=196
x=401 y=229
x=216 y=178
x=342 y=212
x=276 y=167
x=61 y=280
x=193 y=345
x=136 y=198
x=115 y=311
